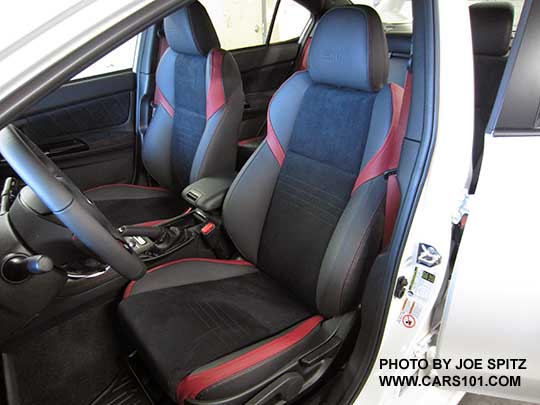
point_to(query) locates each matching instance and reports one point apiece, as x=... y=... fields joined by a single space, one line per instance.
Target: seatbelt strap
x=386 y=160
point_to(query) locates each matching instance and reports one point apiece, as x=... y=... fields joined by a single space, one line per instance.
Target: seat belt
x=386 y=160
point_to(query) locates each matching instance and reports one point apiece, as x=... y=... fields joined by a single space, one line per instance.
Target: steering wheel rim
x=68 y=203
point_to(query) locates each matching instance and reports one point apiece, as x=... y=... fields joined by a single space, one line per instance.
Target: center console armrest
x=208 y=193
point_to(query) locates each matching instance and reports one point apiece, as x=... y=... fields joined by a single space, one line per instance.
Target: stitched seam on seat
x=130 y=286
x=211 y=142
x=160 y=189
x=190 y=386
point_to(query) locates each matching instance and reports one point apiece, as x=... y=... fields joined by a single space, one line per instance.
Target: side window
x=246 y=23
x=291 y=20
x=120 y=58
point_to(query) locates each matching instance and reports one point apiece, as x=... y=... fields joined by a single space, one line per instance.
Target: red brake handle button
x=208 y=228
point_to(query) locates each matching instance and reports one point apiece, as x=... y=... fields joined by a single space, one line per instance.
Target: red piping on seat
x=193 y=384
x=130 y=286
x=216 y=92
x=127 y=185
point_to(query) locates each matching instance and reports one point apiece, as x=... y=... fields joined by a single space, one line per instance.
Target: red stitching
x=130 y=286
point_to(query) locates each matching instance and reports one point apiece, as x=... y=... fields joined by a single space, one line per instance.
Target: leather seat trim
x=157 y=222
x=305 y=55
x=388 y=155
x=160 y=99
x=194 y=383
x=273 y=142
x=130 y=286
x=271 y=137
x=216 y=91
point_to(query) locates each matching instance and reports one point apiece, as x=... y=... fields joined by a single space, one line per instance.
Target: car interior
x=214 y=226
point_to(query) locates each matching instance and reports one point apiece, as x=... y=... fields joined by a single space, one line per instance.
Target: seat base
x=129 y=204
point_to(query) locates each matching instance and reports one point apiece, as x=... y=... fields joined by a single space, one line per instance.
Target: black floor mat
x=124 y=390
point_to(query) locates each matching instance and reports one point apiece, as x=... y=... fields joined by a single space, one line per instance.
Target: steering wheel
x=68 y=203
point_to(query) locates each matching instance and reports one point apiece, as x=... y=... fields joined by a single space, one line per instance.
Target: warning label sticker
x=410 y=311
x=421 y=286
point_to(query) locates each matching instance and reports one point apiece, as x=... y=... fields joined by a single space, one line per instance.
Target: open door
x=490 y=328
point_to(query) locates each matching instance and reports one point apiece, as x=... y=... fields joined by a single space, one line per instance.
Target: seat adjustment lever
x=279 y=392
x=327 y=350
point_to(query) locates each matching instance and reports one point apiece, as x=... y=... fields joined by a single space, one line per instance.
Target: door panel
x=491 y=312
x=263 y=70
x=87 y=128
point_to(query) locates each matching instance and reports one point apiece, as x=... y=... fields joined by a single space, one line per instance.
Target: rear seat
x=399 y=49
x=491 y=28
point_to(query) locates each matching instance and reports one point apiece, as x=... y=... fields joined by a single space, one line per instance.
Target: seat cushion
x=128 y=204
x=180 y=323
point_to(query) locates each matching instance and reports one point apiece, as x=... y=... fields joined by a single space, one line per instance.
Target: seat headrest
x=190 y=30
x=491 y=28
x=349 y=49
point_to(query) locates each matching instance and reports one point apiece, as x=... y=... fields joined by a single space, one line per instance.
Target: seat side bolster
x=352 y=249
x=380 y=124
x=156 y=148
x=358 y=234
x=248 y=199
x=124 y=192
x=188 y=271
x=216 y=153
x=227 y=377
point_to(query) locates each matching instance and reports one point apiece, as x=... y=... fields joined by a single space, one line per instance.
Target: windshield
x=42 y=13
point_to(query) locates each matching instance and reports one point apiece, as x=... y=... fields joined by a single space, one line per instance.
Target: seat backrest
x=292 y=209
x=200 y=100
x=491 y=28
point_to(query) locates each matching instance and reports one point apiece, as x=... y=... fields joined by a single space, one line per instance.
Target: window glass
x=291 y=20
x=396 y=15
x=240 y=23
x=121 y=58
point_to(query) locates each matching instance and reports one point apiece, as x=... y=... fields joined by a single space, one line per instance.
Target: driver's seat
x=269 y=325
x=194 y=130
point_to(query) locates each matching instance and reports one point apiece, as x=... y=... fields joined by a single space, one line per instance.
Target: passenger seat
x=491 y=28
x=399 y=51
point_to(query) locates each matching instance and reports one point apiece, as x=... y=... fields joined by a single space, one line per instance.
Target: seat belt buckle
x=390 y=172
x=216 y=240
x=207 y=229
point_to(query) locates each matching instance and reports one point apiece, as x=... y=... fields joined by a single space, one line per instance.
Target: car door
x=87 y=125
x=265 y=38
x=490 y=321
